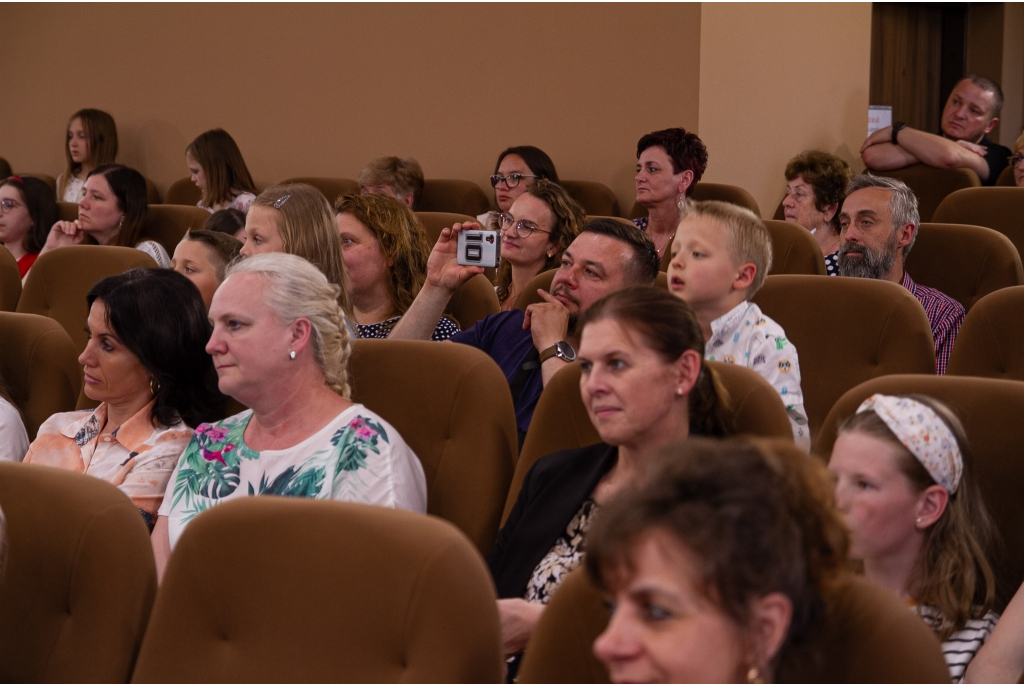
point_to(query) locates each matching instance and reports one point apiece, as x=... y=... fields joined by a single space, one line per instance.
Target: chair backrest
x=594 y=198
x=794 y=250
x=712 y=191
x=167 y=224
x=989 y=343
x=452 y=405
x=1006 y=177
x=964 y=262
x=67 y=211
x=543 y=281
x=314 y=591
x=10 y=281
x=1001 y=209
x=152 y=193
x=435 y=222
x=332 y=188
x=847 y=330
x=931 y=186
x=183 y=192
x=472 y=301
x=39 y=364
x=560 y=421
x=452 y=195
x=80 y=578
x=990 y=410
x=60 y=279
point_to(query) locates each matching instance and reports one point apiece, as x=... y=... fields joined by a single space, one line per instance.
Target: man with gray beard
x=878 y=223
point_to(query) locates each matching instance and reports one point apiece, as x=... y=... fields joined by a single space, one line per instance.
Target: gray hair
x=902 y=202
x=297 y=289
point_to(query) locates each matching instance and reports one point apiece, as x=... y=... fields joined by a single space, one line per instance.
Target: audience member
x=669 y=165
x=228 y=221
x=535 y=231
x=880 y=221
x=219 y=171
x=516 y=170
x=91 y=141
x=644 y=385
x=297 y=219
x=152 y=378
x=721 y=255
x=111 y=212
x=717 y=564
x=281 y=347
x=5 y=168
x=385 y=253
x=401 y=179
x=13 y=436
x=971 y=111
x=1017 y=162
x=27 y=212
x=531 y=346
x=202 y=256
x=815 y=189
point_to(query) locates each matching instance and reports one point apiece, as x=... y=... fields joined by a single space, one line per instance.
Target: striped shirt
x=962 y=645
x=945 y=316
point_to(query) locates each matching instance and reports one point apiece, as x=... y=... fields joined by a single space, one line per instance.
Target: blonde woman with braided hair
x=280 y=345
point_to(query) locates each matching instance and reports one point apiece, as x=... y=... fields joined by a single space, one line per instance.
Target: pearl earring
x=291 y=355
x=918 y=520
x=679 y=392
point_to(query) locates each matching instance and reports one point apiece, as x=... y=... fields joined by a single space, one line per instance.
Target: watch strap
x=896 y=128
x=549 y=353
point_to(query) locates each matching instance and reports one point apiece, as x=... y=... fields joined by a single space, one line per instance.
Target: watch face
x=565 y=351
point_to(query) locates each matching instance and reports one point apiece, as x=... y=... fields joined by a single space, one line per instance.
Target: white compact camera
x=479 y=248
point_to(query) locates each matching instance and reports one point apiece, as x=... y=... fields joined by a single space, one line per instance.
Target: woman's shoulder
x=363 y=421
x=58 y=422
x=569 y=461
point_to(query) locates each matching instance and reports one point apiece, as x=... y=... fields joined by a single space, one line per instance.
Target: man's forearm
x=940 y=152
x=419 y=322
x=886 y=156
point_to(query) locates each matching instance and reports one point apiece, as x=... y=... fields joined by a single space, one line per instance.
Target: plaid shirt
x=945 y=315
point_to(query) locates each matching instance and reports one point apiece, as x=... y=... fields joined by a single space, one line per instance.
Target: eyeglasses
x=1017 y=159
x=522 y=229
x=512 y=180
x=7 y=205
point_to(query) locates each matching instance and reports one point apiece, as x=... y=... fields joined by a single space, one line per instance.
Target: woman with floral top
x=280 y=346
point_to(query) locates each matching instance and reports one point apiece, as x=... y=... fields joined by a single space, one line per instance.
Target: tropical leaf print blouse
x=357 y=457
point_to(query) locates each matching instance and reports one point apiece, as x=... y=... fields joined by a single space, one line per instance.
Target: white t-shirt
x=13 y=437
x=74 y=190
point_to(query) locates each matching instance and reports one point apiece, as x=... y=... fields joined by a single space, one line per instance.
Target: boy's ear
x=744 y=276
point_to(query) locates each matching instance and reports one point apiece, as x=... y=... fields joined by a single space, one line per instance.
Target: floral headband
x=922 y=432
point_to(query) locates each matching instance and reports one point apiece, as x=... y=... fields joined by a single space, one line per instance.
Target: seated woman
x=385 y=252
x=535 y=231
x=27 y=212
x=644 y=385
x=90 y=141
x=229 y=221
x=13 y=437
x=111 y=212
x=202 y=257
x=716 y=563
x=219 y=172
x=281 y=347
x=905 y=483
x=516 y=170
x=152 y=378
x=815 y=190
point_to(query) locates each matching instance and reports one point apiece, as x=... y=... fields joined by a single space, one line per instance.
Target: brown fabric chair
x=152 y=193
x=452 y=195
x=594 y=198
x=1001 y=209
x=80 y=578
x=67 y=211
x=314 y=591
x=452 y=405
x=167 y=224
x=712 y=191
x=60 y=279
x=472 y=301
x=435 y=222
x=932 y=185
x=10 y=281
x=989 y=342
x=560 y=421
x=964 y=262
x=794 y=250
x=991 y=411
x=1006 y=177
x=332 y=188
x=847 y=330
x=39 y=364
x=543 y=281
x=183 y=192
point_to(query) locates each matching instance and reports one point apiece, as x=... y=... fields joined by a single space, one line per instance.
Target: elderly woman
x=815 y=190
x=202 y=257
x=111 y=212
x=385 y=253
x=152 y=378
x=281 y=347
x=641 y=355
x=27 y=212
x=516 y=170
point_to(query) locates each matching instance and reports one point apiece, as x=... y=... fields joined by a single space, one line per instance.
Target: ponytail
x=709 y=404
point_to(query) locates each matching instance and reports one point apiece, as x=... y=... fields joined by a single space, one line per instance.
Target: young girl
x=27 y=212
x=91 y=142
x=219 y=171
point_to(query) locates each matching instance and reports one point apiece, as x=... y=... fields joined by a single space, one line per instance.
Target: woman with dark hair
x=202 y=256
x=111 y=212
x=644 y=385
x=219 y=172
x=515 y=171
x=91 y=141
x=27 y=212
x=152 y=378
x=815 y=190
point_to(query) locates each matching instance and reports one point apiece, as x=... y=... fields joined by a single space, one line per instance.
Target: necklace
x=667 y=243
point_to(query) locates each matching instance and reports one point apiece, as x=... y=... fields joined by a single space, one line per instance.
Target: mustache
x=869 y=262
x=564 y=292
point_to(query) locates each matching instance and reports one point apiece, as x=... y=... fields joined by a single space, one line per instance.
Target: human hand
x=518 y=620
x=443 y=269
x=64 y=233
x=882 y=135
x=547 y=321
x=979 y=150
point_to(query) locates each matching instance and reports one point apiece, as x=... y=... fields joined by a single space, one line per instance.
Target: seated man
x=971 y=112
x=401 y=179
x=879 y=221
x=531 y=346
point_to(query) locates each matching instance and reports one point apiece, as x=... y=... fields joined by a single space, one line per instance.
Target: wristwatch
x=560 y=349
x=896 y=128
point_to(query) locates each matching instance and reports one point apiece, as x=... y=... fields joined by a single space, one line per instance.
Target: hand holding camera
x=444 y=268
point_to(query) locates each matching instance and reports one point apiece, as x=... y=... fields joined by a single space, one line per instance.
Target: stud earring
x=679 y=392
x=754 y=675
x=120 y=224
x=291 y=355
x=918 y=520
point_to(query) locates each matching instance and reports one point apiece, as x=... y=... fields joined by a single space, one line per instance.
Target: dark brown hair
x=42 y=207
x=827 y=175
x=229 y=221
x=223 y=166
x=129 y=187
x=101 y=131
x=536 y=159
x=643 y=268
x=221 y=246
x=686 y=150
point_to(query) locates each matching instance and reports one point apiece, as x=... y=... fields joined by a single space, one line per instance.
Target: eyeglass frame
x=516 y=226
x=497 y=178
x=1015 y=159
x=7 y=205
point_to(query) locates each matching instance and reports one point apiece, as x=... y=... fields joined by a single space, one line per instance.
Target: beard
x=872 y=263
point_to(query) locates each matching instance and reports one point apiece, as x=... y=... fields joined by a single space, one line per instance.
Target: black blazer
x=552 y=493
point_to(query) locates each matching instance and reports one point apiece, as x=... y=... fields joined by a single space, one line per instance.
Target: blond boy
x=720 y=257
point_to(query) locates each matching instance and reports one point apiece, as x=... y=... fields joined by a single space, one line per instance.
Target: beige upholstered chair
x=594 y=198
x=931 y=186
x=1001 y=209
x=712 y=191
x=332 y=188
x=183 y=192
x=794 y=250
x=452 y=195
x=10 y=281
x=989 y=344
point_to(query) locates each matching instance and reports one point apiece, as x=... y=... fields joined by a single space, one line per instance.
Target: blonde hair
x=308 y=230
x=296 y=289
x=405 y=176
x=748 y=239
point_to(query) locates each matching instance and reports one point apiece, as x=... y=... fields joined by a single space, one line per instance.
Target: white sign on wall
x=879 y=116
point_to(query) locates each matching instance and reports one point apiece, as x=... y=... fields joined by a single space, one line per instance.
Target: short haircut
x=222 y=246
x=643 y=267
x=129 y=187
x=686 y=150
x=228 y=221
x=989 y=86
x=902 y=201
x=404 y=175
x=223 y=165
x=827 y=175
x=748 y=238
x=101 y=131
x=536 y=159
x=42 y=208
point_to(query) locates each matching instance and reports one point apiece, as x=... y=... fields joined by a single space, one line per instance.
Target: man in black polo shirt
x=970 y=113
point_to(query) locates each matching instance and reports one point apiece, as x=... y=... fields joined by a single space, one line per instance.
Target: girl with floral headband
x=905 y=485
